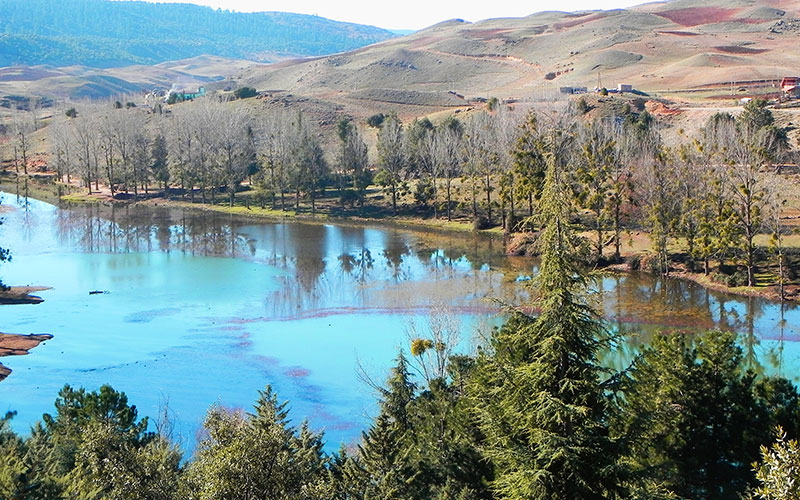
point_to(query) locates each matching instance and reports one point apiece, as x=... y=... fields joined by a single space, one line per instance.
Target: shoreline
x=791 y=292
x=772 y=292
x=457 y=226
x=58 y=191
x=12 y=344
x=22 y=295
x=420 y=223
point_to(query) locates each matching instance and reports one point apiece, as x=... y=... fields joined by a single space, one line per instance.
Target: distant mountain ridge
x=102 y=33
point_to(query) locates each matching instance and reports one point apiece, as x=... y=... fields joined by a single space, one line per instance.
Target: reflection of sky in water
x=206 y=308
x=299 y=307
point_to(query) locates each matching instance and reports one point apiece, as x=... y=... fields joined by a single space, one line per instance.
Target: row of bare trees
x=200 y=148
x=128 y=149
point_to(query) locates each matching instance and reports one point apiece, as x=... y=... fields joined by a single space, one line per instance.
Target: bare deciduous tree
x=392 y=157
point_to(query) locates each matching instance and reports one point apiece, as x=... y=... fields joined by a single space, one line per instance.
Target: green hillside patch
x=98 y=33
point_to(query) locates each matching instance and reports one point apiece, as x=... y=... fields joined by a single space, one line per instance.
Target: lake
x=203 y=308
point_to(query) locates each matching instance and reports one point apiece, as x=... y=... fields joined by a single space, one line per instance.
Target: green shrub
x=349 y=197
x=480 y=223
x=245 y=92
x=376 y=120
x=425 y=192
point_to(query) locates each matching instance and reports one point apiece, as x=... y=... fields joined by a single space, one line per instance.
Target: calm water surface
x=205 y=308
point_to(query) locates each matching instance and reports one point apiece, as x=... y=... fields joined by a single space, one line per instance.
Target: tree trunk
x=489 y=200
x=474 y=200
x=435 y=205
x=512 y=212
x=449 y=202
x=599 y=230
x=750 y=263
x=617 y=230
x=24 y=160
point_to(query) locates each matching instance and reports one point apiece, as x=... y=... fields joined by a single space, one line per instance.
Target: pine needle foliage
x=539 y=396
x=256 y=455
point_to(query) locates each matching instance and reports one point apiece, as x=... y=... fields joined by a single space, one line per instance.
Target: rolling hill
x=103 y=33
x=658 y=47
x=82 y=82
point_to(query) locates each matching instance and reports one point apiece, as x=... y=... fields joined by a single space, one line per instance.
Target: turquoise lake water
x=205 y=308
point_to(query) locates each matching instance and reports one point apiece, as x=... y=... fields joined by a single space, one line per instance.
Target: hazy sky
x=412 y=14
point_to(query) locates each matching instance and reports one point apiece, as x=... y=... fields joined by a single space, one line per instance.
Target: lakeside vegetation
x=534 y=414
x=714 y=205
x=574 y=383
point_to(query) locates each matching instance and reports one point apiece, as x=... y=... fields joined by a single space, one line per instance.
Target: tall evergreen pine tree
x=539 y=396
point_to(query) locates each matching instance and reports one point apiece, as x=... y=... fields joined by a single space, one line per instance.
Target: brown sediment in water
x=21 y=295
x=18 y=345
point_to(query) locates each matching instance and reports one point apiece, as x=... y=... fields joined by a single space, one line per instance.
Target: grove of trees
x=713 y=194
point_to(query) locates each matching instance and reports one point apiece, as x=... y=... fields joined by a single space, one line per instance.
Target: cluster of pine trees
x=533 y=415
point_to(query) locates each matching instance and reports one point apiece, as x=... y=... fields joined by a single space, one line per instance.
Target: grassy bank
x=376 y=209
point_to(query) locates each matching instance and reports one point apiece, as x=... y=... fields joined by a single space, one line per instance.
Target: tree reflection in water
x=361 y=267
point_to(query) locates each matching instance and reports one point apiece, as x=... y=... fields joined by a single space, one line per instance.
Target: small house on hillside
x=790 y=86
x=624 y=87
x=185 y=94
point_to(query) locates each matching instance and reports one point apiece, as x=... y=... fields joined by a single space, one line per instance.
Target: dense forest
x=101 y=33
x=533 y=415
